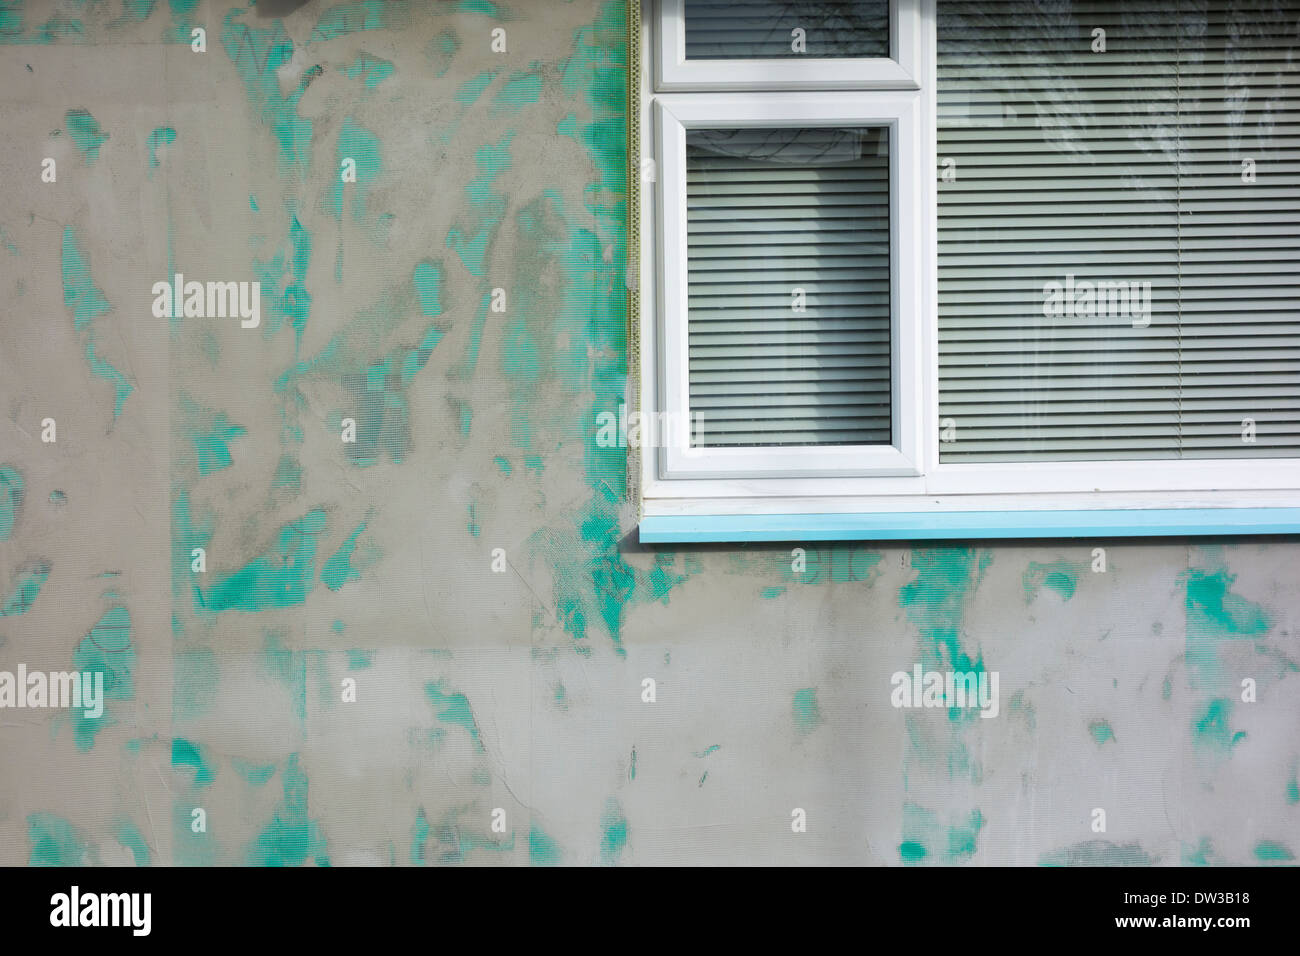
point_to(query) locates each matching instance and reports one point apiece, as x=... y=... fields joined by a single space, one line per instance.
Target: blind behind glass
x=788 y=286
x=1164 y=175
x=743 y=29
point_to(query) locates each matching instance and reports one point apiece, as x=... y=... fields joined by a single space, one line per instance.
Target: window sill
x=958 y=525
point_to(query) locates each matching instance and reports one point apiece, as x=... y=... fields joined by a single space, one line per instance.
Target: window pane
x=1118 y=241
x=742 y=29
x=788 y=275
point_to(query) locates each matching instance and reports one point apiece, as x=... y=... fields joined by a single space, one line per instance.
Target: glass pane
x=745 y=29
x=1119 y=197
x=788 y=286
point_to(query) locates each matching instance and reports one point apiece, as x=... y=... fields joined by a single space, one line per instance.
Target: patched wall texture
x=520 y=687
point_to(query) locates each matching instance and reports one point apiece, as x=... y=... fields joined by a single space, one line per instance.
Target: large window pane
x=1119 y=200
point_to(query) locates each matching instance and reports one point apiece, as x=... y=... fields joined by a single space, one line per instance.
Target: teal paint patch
x=1270 y=851
x=613 y=838
x=252 y=203
x=128 y=835
x=86 y=302
x=419 y=837
x=107 y=649
x=161 y=136
x=195 y=675
x=503 y=465
x=292 y=303
x=631 y=769
x=521 y=89
x=27 y=587
x=599 y=70
x=12 y=492
x=338 y=569
x=56 y=842
x=182 y=20
x=11 y=20
x=281 y=577
x=428 y=279
x=137 y=10
x=210 y=433
x=1212 y=729
x=257 y=55
x=708 y=750
x=926 y=838
x=292 y=837
x=58 y=498
x=772 y=592
x=542 y=850
x=490 y=207
x=358 y=144
x=348 y=18
x=935 y=602
x=360 y=660
x=664 y=577
x=1200 y=855
x=1215 y=617
x=60 y=27
x=1098 y=853
x=910 y=851
x=86 y=134
x=373 y=69
x=472 y=524
x=186 y=753
x=485 y=7
x=380 y=409
x=254 y=774
x=1293 y=789
x=453 y=708
x=468 y=92
x=1101 y=732
x=1059 y=576
x=807 y=714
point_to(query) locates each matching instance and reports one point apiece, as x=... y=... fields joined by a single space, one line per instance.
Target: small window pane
x=788 y=286
x=746 y=29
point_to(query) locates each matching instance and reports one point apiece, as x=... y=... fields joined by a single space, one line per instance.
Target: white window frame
x=932 y=486
x=898 y=71
x=674 y=115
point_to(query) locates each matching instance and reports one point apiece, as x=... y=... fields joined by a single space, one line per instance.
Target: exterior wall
x=520 y=688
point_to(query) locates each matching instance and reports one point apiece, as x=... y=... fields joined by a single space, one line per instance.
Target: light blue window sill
x=930 y=526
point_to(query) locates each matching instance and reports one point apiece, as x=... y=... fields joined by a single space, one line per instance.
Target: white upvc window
x=1088 y=302
x=884 y=127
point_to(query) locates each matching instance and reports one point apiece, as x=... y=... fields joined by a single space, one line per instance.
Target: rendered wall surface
x=373 y=560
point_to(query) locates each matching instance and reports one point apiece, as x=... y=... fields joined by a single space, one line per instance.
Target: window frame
x=1150 y=497
x=674 y=115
